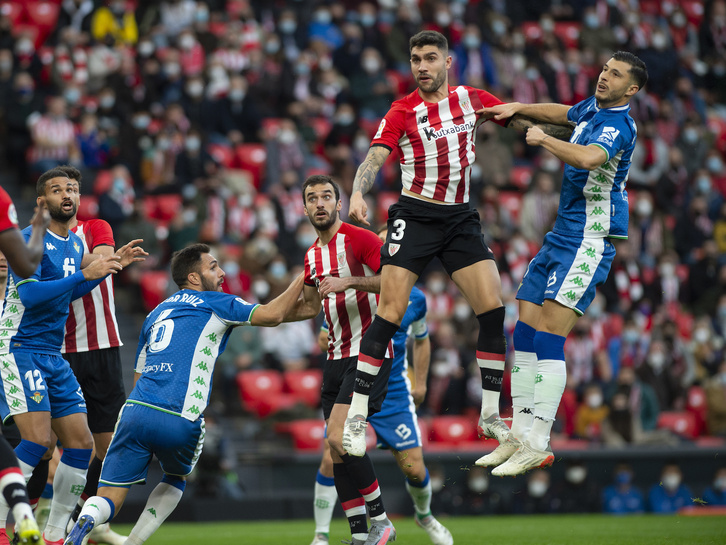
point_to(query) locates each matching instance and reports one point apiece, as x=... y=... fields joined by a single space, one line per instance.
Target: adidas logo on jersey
x=49 y=246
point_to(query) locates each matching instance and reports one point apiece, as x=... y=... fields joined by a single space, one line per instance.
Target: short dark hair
x=429 y=37
x=638 y=71
x=318 y=179
x=72 y=172
x=186 y=261
x=48 y=175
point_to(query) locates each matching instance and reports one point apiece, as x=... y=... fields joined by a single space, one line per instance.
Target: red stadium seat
x=369 y=126
x=681 y=423
x=261 y=392
x=88 y=209
x=532 y=31
x=168 y=206
x=154 y=286
x=252 y=158
x=321 y=126
x=44 y=15
x=520 y=177
x=696 y=405
x=453 y=430
x=14 y=11
x=568 y=32
x=307 y=435
x=512 y=201
x=221 y=153
x=383 y=203
x=304 y=384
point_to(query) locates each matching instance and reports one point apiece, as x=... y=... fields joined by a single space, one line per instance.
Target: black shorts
x=339 y=379
x=101 y=379
x=418 y=231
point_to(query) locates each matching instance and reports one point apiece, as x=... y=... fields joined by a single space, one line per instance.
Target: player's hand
x=358 y=209
x=101 y=267
x=40 y=219
x=535 y=136
x=331 y=284
x=131 y=253
x=500 y=111
x=419 y=394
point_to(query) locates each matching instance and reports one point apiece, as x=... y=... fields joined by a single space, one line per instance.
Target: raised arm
x=127 y=254
x=25 y=258
x=585 y=157
x=307 y=306
x=275 y=312
x=364 y=179
x=551 y=118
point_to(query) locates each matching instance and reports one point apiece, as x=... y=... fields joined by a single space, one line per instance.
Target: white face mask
x=594 y=400
x=436 y=286
x=260 y=288
x=575 y=474
x=462 y=311
x=671 y=482
x=537 y=489
x=720 y=484
x=657 y=360
x=478 y=484
x=437 y=483
x=701 y=335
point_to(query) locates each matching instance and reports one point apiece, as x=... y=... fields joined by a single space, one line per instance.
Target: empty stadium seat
x=681 y=423
x=383 y=202
x=43 y=15
x=252 y=158
x=568 y=32
x=154 y=286
x=520 y=177
x=304 y=385
x=453 y=430
x=321 y=126
x=168 y=206
x=261 y=392
x=221 y=153
x=308 y=434
x=696 y=405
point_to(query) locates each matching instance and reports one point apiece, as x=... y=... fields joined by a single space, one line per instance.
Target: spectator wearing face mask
x=474 y=65
x=591 y=414
x=716 y=401
x=117 y=202
x=370 y=87
x=650 y=158
x=622 y=497
x=577 y=492
x=694 y=144
x=659 y=373
x=478 y=497
x=716 y=493
x=537 y=497
x=194 y=161
x=670 y=494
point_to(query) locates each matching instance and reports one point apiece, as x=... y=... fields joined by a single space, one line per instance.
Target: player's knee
x=336 y=442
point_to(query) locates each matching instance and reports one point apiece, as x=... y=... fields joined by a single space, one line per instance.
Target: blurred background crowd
x=199 y=121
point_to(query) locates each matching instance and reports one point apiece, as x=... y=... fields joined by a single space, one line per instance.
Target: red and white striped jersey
x=351 y=252
x=8 y=216
x=91 y=322
x=436 y=140
x=58 y=135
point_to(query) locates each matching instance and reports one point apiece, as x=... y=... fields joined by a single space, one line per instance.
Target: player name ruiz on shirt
x=185 y=298
x=432 y=134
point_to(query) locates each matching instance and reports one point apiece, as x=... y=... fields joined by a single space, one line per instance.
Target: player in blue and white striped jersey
x=576 y=256
x=178 y=347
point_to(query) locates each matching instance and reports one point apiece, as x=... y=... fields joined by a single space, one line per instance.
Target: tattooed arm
x=523 y=123
x=364 y=178
x=551 y=118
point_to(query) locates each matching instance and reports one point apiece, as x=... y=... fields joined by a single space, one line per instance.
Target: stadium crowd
x=198 y=121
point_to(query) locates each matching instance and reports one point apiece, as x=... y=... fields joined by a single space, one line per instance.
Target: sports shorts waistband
x=412 y=201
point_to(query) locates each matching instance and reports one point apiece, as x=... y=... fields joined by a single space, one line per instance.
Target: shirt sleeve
x=308 y=278
x=367 y=248
x=8 y=215
x=392 y=127
x=574 y=113
x=487 y=100
x=100 y=233
x=612 y=135
x=231 y=309
x=419 y=328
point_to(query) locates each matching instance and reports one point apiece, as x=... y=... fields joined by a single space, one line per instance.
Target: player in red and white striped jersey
x=91 y=347
x=341 y=276
x=434 y=128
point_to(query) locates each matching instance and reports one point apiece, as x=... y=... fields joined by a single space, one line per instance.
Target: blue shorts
x=142 y=432
x=35 y=382
x=567 y=270
x=396 y=424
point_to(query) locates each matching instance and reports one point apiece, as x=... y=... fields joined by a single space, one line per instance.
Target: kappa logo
x=393 y=248
x=49 y=246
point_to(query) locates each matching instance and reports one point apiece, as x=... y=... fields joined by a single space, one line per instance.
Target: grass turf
x=509 y=530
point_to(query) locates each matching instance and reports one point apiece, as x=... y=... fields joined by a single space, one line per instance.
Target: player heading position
x=396 y=425
x=24 y=259
x=434 y=127
x=40 y=391
x=178 y=347
x=560 y=282
x=340 y=276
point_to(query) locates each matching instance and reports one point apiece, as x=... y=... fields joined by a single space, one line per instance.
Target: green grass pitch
x=509 y=530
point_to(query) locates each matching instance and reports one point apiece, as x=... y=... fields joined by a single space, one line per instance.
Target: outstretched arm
x=25 y=258
x=524 y=123
x=585 y=157
x=551 y=118
x=274 y=312
x=364 y=179
x=421 y=361
x=331 y=284
x=305 y=307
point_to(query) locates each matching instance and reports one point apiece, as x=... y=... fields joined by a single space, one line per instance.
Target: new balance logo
x=423 y=119
x=49 y=246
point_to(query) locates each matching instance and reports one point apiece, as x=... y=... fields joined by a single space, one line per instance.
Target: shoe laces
x=357 y=425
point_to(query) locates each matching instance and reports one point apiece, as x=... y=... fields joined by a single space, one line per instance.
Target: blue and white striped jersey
x=594 y=203
x=178 y=347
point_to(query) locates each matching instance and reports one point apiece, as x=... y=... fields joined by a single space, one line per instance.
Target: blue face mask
x=623 y=477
